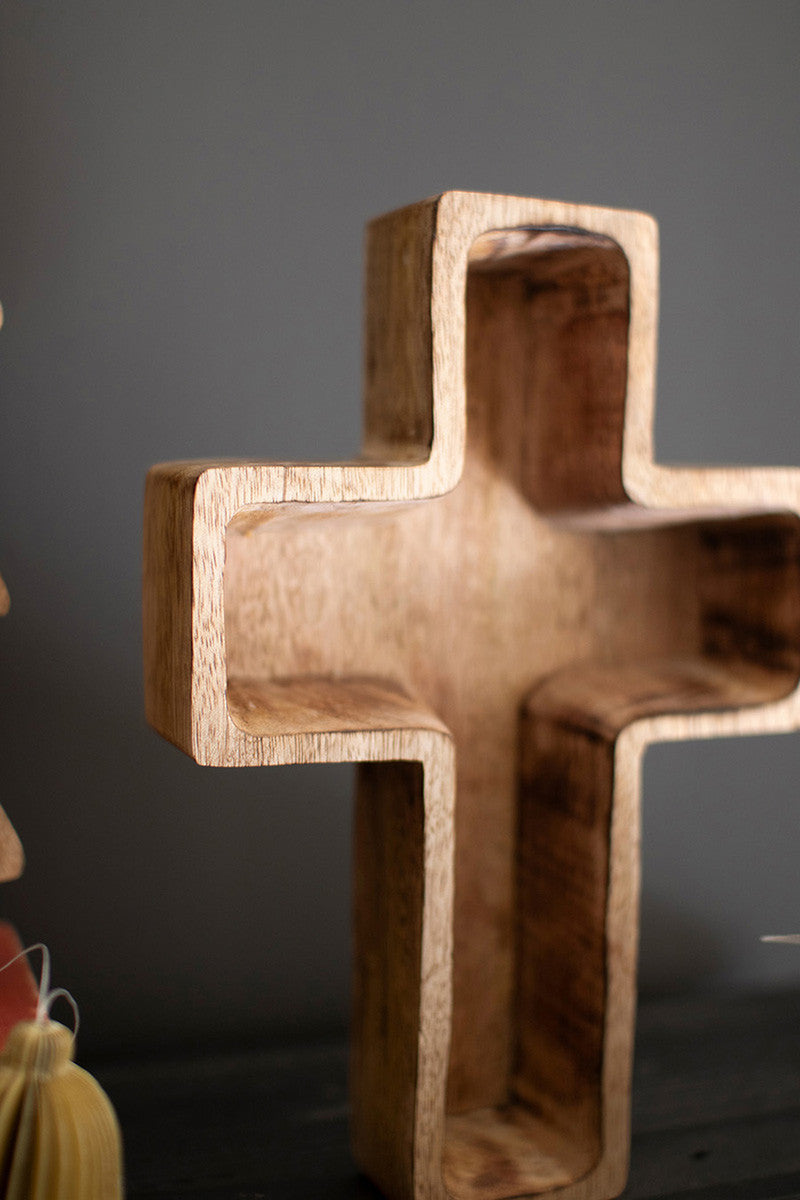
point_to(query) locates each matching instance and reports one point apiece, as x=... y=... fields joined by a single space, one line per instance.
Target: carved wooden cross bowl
x=494 y=610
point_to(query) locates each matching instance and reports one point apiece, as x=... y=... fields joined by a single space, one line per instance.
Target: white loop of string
x=47 y=997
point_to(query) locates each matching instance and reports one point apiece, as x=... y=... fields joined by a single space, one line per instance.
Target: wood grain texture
x=508 y=572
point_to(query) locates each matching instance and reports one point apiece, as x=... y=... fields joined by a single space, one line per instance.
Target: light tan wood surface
x=507 y=591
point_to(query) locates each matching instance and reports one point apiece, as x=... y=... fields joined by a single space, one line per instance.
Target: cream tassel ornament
x=59 y=1136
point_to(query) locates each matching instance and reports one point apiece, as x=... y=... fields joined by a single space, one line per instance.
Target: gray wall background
x=183 y=192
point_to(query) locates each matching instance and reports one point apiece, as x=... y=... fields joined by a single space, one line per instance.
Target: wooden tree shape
x=12 y=859
x=503 y=601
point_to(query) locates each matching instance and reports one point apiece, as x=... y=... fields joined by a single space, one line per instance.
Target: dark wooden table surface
x=716 y=1112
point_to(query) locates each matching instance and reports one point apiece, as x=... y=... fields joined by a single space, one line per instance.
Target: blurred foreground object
x=59 y=1136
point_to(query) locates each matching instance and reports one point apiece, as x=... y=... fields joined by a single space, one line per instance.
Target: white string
x=70 y=999
x=792 y=939
x=46 y=997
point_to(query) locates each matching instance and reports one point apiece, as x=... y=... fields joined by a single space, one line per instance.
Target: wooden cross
x=494 y=610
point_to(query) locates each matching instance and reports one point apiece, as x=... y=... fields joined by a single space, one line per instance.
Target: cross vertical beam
x=496 y=607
